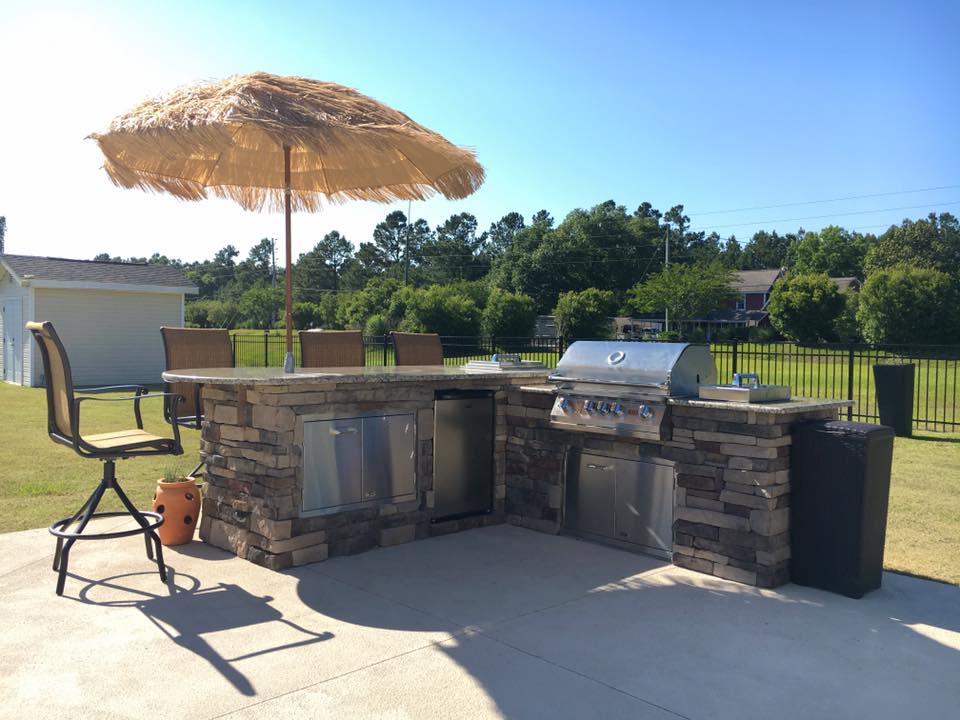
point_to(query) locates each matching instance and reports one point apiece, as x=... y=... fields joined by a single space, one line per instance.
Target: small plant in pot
x=178 y=499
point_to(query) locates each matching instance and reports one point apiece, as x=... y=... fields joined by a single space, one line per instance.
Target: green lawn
x=43 y=481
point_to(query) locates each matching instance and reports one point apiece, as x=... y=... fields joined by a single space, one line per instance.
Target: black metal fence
x=836 y=371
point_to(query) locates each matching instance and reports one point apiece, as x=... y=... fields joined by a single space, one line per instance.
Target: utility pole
x=273 y=253
x=406 y=246
x=666 y=266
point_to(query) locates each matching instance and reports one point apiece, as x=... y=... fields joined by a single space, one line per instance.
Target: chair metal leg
x=141 y=520
x=77 y=514
x=64 y=554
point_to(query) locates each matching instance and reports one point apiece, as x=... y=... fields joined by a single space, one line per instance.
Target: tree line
x=456 y=279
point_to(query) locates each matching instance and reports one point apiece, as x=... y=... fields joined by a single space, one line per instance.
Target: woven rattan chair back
x=418 y=348
x=194 y=348
x=331 y=348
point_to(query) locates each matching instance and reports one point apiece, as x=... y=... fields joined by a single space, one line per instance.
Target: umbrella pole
x=288 y=362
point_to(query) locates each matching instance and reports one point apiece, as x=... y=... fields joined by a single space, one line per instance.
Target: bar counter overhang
x=730 y=462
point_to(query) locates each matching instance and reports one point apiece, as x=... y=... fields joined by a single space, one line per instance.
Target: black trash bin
x=839 y=487
x=894 y=385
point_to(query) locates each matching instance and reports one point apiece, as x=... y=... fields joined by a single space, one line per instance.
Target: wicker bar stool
x=63 y=426
x=417 y=348
x=187 y=348
x=331 y=348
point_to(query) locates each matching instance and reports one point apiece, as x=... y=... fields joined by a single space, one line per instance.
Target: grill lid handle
x=616 y=357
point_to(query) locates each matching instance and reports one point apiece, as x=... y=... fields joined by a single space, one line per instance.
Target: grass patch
x=923 y=525
x=42 y=482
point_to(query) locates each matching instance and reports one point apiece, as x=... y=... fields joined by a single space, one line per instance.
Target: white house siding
x=111 y=337
x=10 y=289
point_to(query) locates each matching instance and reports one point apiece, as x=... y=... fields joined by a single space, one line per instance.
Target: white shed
x=107 y=314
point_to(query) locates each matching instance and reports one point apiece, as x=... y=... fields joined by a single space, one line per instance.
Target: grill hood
x=676 y=369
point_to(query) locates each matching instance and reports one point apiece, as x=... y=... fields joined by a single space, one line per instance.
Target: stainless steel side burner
x=621 y=388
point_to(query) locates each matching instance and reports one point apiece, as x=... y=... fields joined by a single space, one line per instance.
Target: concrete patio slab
x=498 y=622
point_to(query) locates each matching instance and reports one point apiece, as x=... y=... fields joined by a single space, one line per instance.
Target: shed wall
x=11 y=289
x=111 y=337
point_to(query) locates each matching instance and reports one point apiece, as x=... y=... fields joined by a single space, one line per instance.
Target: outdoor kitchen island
x=340 y=460
x=707 y=488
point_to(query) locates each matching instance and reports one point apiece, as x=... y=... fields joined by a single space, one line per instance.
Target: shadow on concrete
x=669 y=641
x=188 y=612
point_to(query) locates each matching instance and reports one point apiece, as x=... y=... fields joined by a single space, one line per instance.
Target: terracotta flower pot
x=179 y=503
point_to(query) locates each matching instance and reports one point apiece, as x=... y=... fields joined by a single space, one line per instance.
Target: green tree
x=306 y=315
x=833 y=250
x=455 y=252
x=933 y=242
x=260 y=306
x=257 y=269
x=375 y=297
x=905 y=304
x=805 y=307
x=508 y=314
x=363 y=267
x=602 y=247
x=441 y=310
x=585 y=314
x=730 y=255
x=846 y=327
x=501 y=233
x=687 y=291
x=766 y=250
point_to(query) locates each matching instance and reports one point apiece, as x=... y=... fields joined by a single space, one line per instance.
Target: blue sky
x=713 y=105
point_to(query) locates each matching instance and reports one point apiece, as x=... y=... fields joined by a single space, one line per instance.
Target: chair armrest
x=141 y=391
x=171 y=399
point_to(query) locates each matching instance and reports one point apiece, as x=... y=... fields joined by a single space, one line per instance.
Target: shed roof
x=755 y=281
x=66 y=271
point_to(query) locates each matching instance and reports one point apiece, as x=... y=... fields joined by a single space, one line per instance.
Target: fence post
x=386 y=339
x=850 y=360
x=734 y=360
x=266 y=348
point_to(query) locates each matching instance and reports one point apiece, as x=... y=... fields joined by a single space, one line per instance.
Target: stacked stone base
x=252 y=444
x=732 y=497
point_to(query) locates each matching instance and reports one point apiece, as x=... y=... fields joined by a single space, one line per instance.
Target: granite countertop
x=785 y=407
x=342 y=375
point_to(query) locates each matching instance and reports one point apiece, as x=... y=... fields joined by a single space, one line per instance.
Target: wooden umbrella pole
x=288 y=362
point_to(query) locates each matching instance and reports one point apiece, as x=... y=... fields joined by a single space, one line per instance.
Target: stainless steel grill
x=621 y=388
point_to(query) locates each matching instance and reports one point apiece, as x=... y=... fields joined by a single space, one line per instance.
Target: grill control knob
x=603 y=408
x=617 y=409
x=588 y=407
x=565 y=406
x=646 y=412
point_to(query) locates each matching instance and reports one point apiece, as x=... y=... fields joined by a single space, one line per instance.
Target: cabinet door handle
x=594 y=466
x=343 y=431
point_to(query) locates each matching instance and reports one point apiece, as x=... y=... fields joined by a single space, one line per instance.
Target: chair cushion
x=125 y=439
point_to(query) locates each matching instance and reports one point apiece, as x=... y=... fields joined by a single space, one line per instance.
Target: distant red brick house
x=754 y=288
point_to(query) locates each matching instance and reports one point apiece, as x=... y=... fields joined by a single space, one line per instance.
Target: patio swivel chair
x=417 y=348
x=187 y=348
x=331 y=348
x=63 y=425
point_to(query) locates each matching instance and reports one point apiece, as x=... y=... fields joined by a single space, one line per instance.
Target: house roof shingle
x=113 y=273
x=755 y=281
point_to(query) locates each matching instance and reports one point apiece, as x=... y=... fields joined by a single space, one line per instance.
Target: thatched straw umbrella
x=267 y=141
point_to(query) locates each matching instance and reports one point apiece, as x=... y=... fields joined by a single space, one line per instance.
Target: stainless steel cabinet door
x=332 y=463
x=463 y=456
x=644 y=513
x=389 y=456
x=591 y=495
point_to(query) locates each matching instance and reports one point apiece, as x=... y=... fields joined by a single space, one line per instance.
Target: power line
x=828 y=200
x=832 y=215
